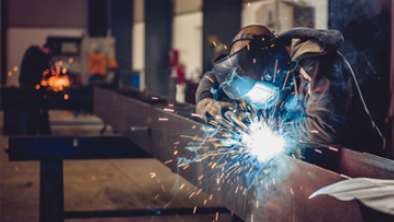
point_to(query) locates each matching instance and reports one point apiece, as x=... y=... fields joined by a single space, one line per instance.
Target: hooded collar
x=310 y=42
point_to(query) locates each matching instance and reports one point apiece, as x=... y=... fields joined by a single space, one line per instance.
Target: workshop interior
x=197 y=110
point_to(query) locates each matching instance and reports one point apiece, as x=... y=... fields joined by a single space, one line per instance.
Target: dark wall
x=366 y=26
x=158 y=28
x=121 y=26
x=222 y=18
x=40 y=14
x=48 y=13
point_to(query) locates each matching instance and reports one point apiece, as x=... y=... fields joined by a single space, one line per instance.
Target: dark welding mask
x=259 y=73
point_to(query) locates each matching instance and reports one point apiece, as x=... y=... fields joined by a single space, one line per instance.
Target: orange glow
x=44 y=82
x=15 y=68
x=64 y=70
x=56 y=83
x=60 y=63
x=66 y=96
x=70 y=60
x=46 y=72
x=9 y=73
x=37 y=87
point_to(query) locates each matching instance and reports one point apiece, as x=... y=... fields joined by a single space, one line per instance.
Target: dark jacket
x=34 y=63
x=330 y=110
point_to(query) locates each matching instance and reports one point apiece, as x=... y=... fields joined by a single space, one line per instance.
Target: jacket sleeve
x=322 y=121
x=207 y=83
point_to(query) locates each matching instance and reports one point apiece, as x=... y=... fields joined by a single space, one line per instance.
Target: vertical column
x=3 y=50
x=222 y=19
x=138 y=41
x=391 y=110
x=121 y=26
x=97 y=18
x=158 y=22
x=51 y=191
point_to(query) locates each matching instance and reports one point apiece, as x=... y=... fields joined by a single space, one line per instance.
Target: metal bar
x=147 y=212
x=356 y=164
x=47 y=148
x=51 y=191
x=19 y=99
x=290 y=202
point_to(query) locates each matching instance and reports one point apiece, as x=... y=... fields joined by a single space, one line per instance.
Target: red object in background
x=180 y=73
x=174 y=54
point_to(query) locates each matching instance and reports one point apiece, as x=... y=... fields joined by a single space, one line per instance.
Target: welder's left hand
x=208 y=108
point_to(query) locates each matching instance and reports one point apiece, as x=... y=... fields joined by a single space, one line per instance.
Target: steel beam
x=52 y=148
x=357 y=164
x=288 y=202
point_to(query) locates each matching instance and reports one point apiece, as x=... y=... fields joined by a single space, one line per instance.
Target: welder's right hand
x=209 y=109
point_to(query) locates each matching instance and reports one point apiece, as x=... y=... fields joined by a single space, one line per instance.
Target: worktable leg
x=51 y=191
x=22 y=124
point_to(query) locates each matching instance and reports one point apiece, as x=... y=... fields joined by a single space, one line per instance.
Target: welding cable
x=362 y=100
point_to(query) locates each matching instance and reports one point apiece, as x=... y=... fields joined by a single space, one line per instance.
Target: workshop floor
x=95 y=184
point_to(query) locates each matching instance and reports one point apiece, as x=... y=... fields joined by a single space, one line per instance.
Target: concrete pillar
x=158 y=22
x=97 y=18
x=222 y=19
x=121 y=26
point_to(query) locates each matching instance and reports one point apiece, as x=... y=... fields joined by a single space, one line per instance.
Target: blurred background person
x=35 y=61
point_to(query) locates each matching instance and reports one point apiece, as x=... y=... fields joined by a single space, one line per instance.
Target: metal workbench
x=16 y=103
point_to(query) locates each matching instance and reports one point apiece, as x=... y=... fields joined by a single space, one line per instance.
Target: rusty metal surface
x=356 y=164
x=288 y=202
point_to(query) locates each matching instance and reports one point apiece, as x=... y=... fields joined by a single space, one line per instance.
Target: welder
x=300 y=71
x=35 y=61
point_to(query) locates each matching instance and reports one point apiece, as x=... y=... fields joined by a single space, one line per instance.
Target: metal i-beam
x=61 y=148
x=160 y=130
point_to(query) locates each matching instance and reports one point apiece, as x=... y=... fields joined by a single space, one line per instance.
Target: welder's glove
x=209 y=109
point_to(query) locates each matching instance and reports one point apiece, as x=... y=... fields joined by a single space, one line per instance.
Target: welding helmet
x=259 y=73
